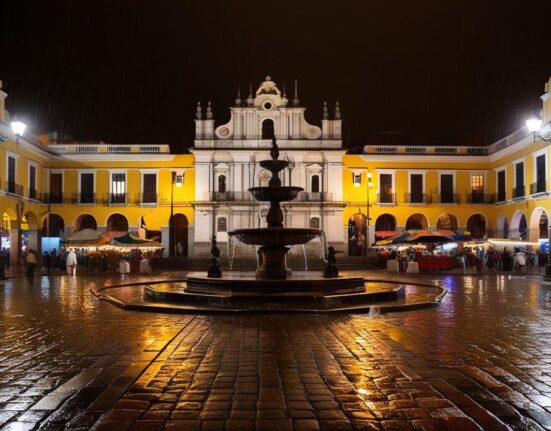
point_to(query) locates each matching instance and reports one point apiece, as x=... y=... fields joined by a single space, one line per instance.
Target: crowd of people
x=483 y=259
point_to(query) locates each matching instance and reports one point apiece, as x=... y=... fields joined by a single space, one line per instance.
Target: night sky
x=442 y=72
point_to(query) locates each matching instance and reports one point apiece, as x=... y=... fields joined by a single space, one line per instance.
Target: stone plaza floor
x=480 y=360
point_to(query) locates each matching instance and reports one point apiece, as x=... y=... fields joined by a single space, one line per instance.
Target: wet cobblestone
x=478 y=361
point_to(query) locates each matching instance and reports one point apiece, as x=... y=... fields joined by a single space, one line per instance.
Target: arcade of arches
x=357 y=235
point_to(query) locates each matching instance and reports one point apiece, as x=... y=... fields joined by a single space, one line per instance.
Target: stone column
x=191 y=240
x=14 y=241
x=35 y=242
x=165 y=239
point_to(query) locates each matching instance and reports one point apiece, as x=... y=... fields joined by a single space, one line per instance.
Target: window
x=357 y=179
x=501 y=194
x=268 y=129
x=86 y=188
x=416 y=188
x=11 y=174
x=56 y=188
x=385 y=188
x=221 y=183
x=446 y=189
x=477 y=188
x=518 y=192
x=540 y=174
x=118 y=188
x=315 y=223
x=222 y=224
x=32 y=182
x=149 y=188
x=315 y=184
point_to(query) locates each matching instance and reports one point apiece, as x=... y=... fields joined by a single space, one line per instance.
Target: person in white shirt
x=72 y=263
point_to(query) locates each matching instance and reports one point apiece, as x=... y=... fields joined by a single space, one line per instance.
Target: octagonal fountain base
x=297 y=283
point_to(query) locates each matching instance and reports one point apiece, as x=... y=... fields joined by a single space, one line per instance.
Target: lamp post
x=177 y=181
x=534 y=126
x=18 y=129
x=369 y=185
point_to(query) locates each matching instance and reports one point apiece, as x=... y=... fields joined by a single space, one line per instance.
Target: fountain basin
x=275 y=236
x=275 y=194
x=274 y=165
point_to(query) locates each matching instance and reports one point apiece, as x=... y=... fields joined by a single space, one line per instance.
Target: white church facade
x=226 y=166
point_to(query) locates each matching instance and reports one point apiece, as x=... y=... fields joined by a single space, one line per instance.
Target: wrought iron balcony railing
x=448 y=198
x=14 y=188
x=84 y=198
x=519 y=191
x=149 y=198
x=480 y=198
x=386 y=198
x=417 y=198
x=538 y=187
x=117 y=199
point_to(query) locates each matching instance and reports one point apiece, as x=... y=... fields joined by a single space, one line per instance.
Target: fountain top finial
x=274 y=152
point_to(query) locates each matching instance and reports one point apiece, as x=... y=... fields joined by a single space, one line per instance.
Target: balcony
x=314 y=196
x=501 y=196
x=14 y=188
x=52 y=198
x=519 y=192
x=448 y=198
x=84 y=198
x=116 y=199
x=149 y=199
x=33 y=194
x=417 y=198
x=538 y=187
x=386 y=198
x=480 y=198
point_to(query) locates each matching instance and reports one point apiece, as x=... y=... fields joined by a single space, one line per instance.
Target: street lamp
x=533 y=124
x=369 y=185
x=177 y=180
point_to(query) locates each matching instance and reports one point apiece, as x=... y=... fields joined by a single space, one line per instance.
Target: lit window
x=357 y=179
x=477 y=183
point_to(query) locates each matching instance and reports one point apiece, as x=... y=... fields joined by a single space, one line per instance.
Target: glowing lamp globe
x=18 y=128
x=533 y=124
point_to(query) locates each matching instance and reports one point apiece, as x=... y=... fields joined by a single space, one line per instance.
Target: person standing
x=47 y=260
x=30 y=263
x=71 y=263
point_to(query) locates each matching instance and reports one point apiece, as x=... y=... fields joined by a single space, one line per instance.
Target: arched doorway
x=447 y=222
x=539 y=222
x=416 y=222
x=519 y=226
x=385 y=226
x=53 y=226
x=86 y=221
x=357 y=235
x=502 y=227
x=178 y=240
x=476 y=225
x=117 y=225
x=268 y=129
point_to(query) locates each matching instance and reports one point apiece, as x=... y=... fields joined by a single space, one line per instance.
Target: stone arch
x=85 y=221
x=357 y=235
x=179 y=235
x=268 y=128
x=447 y=221
x=417 y=221
x=53 y=225
x=116 y=225
x=539 y=224
x=502 y=226
x=385 y=226
x=519 y=226
x=32 y=220
x=477 y=225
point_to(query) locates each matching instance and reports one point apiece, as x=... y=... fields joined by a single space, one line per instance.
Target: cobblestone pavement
x=478 y=361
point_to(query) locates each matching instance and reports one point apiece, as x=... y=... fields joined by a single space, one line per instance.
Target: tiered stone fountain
x=272 y=275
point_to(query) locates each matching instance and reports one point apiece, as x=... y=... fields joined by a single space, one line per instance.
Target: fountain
x=273 y=287
x=272 y=274
x=275 y=239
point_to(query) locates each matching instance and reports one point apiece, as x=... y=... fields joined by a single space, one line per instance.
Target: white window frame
x=454 y=186
x=515 y=163
x=56 y=171
x=423 y=191
x=14 y=156
x=497 y=171
x=35 y=166
x=150 y=172
x=386 y=172
x=535 y=155
x=111 y=173
x=222 y=169
x=311 y=170
x=86 y=171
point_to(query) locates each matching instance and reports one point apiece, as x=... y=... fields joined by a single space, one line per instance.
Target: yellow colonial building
x=52 y=188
